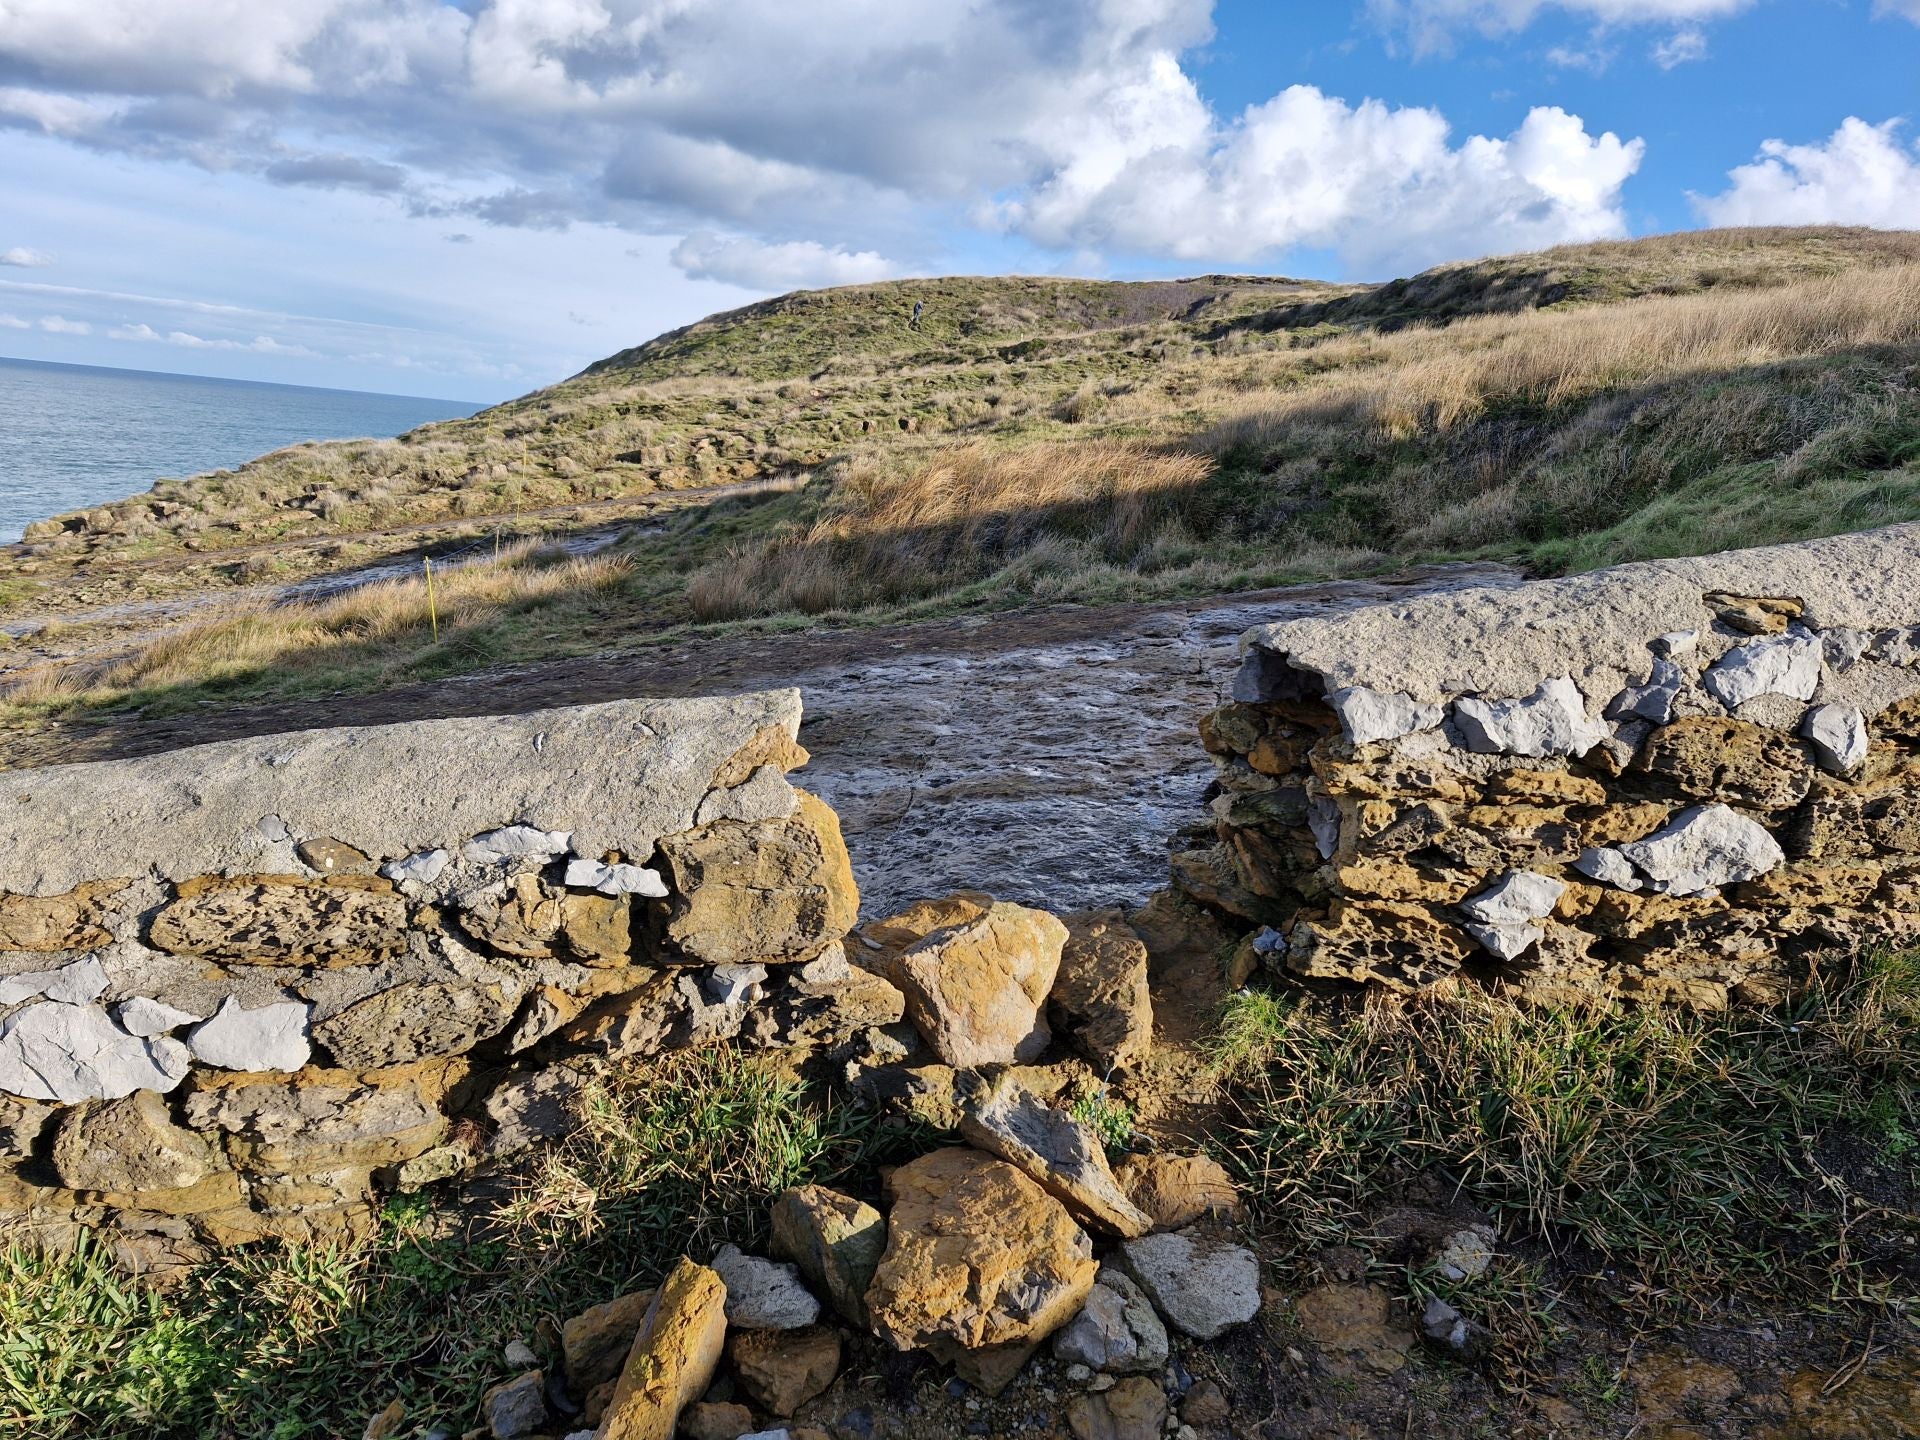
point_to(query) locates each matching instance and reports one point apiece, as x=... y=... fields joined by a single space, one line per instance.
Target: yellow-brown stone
x=1715 y=757
x=1400 y=945
x=770 y=745
x=674 y=1355
x=1546 y=788
x=1811 y=884
x=268 y=920
x=56 y=922
x=1396 y=880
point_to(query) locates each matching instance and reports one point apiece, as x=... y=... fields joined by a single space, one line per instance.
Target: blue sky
x=473 y=200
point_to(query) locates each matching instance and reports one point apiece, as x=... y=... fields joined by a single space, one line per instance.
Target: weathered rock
x=281 y=922
x=716 y=1420
x=301 y=1129
x=1402 y=946
x=414 y=1021
x=673 y=1358
x=1706 y=846
x=1116 y=1331
x=1466 y=1253
x=273 y=1037
x=1838 y=735
x=128 y=1145
x=975 y=991
x=1707 y=757
x=1553 y=720
x=783 y=1369
x=533 y=1107
x=1784 y=665
x=516 y=1408
x=762 y=1294
x=1100 y=1003
x=1052 y=1148
x=1134 y=1409
x=1518 y=897
x=1654 y=699
x=1176 y=1190
x=1608 y=866
x=50 y=1051
x=595 y=1342
x=1370 y=715
x=826 y=1002
x=631 y=1024
x=836 y=1241
x=763 y=795
x=55 y=922
x=1203 y=1285
x=778 y=891
x=977 y=1255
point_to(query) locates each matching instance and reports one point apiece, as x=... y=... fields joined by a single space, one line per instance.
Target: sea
x=76 y=435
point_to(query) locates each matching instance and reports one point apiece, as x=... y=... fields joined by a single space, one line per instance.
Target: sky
x=472 y=199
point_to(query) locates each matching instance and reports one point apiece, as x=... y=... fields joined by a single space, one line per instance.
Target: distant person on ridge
x=918 y=306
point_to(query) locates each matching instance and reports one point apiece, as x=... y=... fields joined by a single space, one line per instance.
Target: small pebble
x=1101 y=1382
x=1079 y=1374
x=519 y=1355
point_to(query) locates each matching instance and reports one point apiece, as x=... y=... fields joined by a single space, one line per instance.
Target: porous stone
x=783 y=1369
x=1732 y=761
x=1100 y=1004
x=1838 y=735
x=975 y=991
x=1553 y=720
x=281 y=922
x=836 y=1241
x=616 y=879
x=1176 y=1190
x=51 y=1051
x=674 y=1356
x=128 y=1145
x=55 y=922
x=1116 y=1332
x=271 y=1037
x=1704 y=847
x=1004 y=1118
x=1778 y=665
x=1369 y=715
x=594 y=1343
x=1399 y=945
x=762 y=1294
x=414 y=1021
x=1203 y=1285
x=977 y=1255
x=72 y=984
x=145 y=1017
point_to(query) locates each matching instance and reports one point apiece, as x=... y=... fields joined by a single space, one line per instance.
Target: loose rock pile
x=1682 y=781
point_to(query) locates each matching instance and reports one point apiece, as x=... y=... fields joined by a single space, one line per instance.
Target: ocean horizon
x=80 y=435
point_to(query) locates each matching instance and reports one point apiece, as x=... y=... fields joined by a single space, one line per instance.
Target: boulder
x=783 y=1369
x=762 y=1294
x=977 y=1255
x=674 y=1355
x=1004 y=1118
x=594 y=1343
x=975 y=990
x=1116 y=1331
x=1176 y=1190
x=836 y=1241
x=1100 y=1003
x=282 y=922
x=413 y=1022
x=51 y=1051
x=1203 y=1285
x=273 y=1037
x=1134 y=1409
x=775 y=891
x=1707 y=846
x=129 y=1145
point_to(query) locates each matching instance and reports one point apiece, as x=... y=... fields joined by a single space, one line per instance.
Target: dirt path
x=1046 y=754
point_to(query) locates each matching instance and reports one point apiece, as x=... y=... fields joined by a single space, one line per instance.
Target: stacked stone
x=245 y=987
x=1685 y=781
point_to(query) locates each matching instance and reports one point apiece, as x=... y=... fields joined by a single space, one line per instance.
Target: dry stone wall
x=1680 y=781
x=246 y=987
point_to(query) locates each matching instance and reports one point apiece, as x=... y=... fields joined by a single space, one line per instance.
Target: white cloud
x=1860 y=175
x=1905 y=9
x=60 y=325
x=1432 y=24
x=25 y=257
x=792 y=265
x=13 y=322
x=1682 y=47
x=259 y=345
x=1595 y=60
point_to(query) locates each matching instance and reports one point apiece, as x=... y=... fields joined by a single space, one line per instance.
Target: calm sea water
x=73 y=435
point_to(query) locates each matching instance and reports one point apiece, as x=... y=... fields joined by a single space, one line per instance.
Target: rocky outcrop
x=1682 y=781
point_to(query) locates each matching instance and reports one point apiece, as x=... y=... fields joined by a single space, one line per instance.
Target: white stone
x=763 y=1294
x=1776 y=665
x=1676 y=642
x=1370 y=715
x=763 y=795
x=1202 y=1285
x=274 y=1037
x=1608 y=866
x=1553 y=720
x=1506 y=942
x=421 y=869
x=1516 y=898
x=72 y=984
x=52 y=1051
x=1838 y=735
x=142 y=1016
x=1706 y=846
x=1323 y=818
x=1653 y=700
x=1466 y=1254
x=1844 y=647
x=735 y=984
x=516 y=842
x=615 y=879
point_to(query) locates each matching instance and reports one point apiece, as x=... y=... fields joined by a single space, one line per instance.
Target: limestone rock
x=412 y=1022
x=1702 y=848
x=1203 y=1285
x=1838 y=735
x=630 y=1024
x=1100 y=1003
x=1134 y=1409
x=51 y=1051
x=1052 y=1148
x=1654 y=699
x=74 y=983
x=522 y=915
x=1399 y=945
x=516 y=842
x=716 y=1420
x=128 y=1145
x=281 y=922
x=783 y=1369
x=616 y=879
x=1553 y=720
x=1609 y=866
x=1370 y=715
x=146 y=1017
x=674 y=1355
x=421 y=869
x=517 y=1408
x=1176 y=1190
x=1780 y=665
x=273 y=1037
x=595 y=1342
x=764 y=795
x=778 y=891
x=535 y=1106
x=1708 y=757
x=975 y=991
x=977 y=1255
x=762 y=1294
x=1516 y=898
x=836 y=1241
x=1116 y=1332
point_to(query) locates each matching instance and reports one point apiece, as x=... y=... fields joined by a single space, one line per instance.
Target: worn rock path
x=1045 y=755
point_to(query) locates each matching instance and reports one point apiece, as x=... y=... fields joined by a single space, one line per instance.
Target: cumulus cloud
x=60 y=325
x=25 y=257
x=1861 y=174
x=1682 y=47
x=792 y=265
